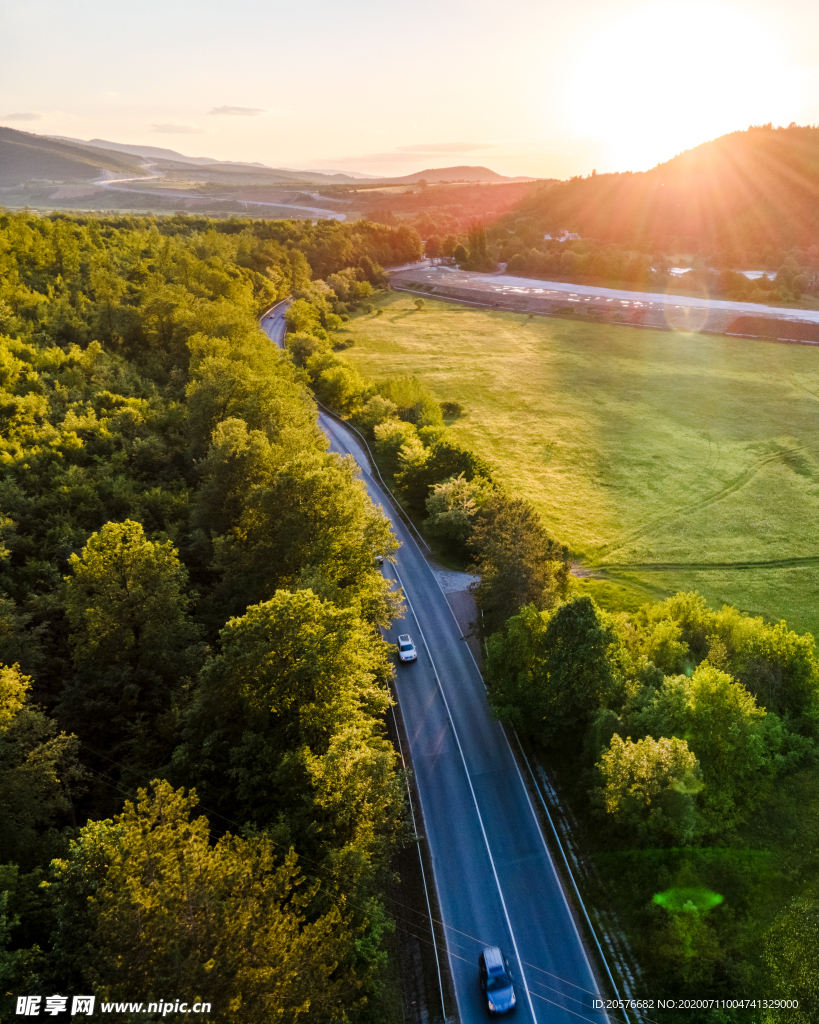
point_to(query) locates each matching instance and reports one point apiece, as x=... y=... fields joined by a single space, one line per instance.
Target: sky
x=529 y=87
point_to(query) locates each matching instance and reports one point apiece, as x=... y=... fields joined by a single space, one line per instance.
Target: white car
x=406 y=648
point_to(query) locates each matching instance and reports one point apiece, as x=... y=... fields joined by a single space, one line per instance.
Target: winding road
x=495 y=880
x=122 y=185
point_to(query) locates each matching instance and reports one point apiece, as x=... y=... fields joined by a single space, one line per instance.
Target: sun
x=672 y=75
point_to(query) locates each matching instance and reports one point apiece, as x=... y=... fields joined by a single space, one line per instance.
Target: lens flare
x=681 y=315
x=681 y=901
x=672 y=75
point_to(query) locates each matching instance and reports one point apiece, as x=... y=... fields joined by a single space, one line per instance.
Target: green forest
x=193 y=763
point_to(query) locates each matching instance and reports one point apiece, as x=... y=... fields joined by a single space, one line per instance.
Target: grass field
x=666 y=461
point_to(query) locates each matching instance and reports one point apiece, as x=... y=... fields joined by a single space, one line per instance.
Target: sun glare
x=673 y=75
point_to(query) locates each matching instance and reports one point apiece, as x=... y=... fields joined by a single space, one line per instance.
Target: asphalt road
x=495 y=880
x=494 y=286
x=273 y=322
x=120 y=185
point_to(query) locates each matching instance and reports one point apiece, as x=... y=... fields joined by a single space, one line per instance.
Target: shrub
x=375 y=411
x=452 y=507
x=390 y=437
x=452 y=410
x=426 y=413
x=302 y=346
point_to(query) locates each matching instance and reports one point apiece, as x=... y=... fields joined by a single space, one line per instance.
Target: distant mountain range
x=169 y=159
x=148 y=152
x=25 y=156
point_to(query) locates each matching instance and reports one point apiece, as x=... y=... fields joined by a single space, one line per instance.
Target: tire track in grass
x=731 y=488
x=775 y=563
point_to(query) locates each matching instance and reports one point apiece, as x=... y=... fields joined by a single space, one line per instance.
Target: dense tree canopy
x=161 y=470
x=165 y=909
x=657 y=720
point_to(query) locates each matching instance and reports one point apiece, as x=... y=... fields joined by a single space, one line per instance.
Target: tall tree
x=445 y=458
x=163 y=910
x=725 y=728
x=312 y=525
x=551 y=672
x=453 y=506
x=651 y=785
x=40 y=775
x=517 y=560
x=133 y=643
x=284 y=729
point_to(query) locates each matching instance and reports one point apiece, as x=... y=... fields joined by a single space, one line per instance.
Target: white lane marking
x=474 y=798
x=445 y=927
x=336 y=431
x=272 y=318
x=420 y=858
x=531 y=808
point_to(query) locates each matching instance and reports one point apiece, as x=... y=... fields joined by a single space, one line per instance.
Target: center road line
x=534 y=813
x=472 y=791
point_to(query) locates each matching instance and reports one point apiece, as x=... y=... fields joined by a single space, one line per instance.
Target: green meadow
x=665 y=461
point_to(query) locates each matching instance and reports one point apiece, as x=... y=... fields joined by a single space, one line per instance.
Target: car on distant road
x=406 y=648
x=496 y=981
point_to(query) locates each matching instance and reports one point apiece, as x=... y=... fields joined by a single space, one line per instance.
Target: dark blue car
x=496 y=980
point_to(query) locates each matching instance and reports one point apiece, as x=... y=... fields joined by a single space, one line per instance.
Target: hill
x=436 y=174
x=210 y=169
x=24 y=156
x=747 y=190
x=149 y=152
x=30 y=165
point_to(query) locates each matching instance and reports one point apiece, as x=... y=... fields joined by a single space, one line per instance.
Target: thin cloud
x=413 y=159
x=174 y=128
x=447 y=147
x=239 y=111
x=24 y=115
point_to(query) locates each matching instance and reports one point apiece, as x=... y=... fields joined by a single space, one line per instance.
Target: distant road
x=273 y=322
x=494 y=877
x=495 y=286
x=122 y=185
